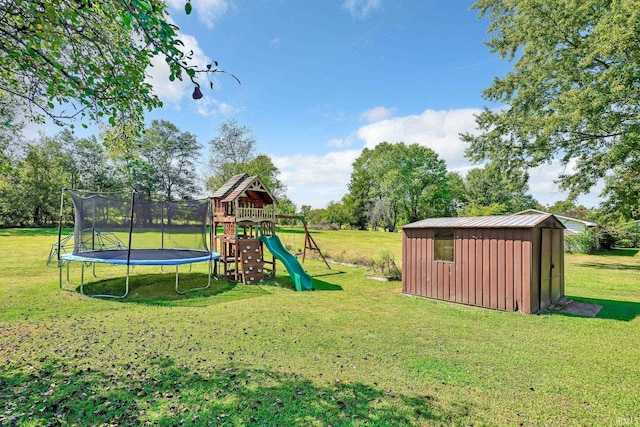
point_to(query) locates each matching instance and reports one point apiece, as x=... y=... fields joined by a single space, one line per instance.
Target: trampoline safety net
x=124 y=220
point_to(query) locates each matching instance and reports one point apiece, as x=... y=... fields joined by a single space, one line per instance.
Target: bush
x=626 y=236
x=386 y=264
x=585 y=242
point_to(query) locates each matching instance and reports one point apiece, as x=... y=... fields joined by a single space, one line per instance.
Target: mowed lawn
x=352 y=352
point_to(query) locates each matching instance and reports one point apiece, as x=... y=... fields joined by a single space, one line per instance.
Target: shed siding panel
x=415 y=262
x=501 y=270
x=526 y=273
x=559 y=236
x=439 y=281
x=423 y=278
x=478 y=276
x=509 y=270
x=469 y=284
x=464 y=268
x=420 y=275
x=458 y=266
x=429 y=265
x=415 y=265
x=486 y=273
x=494 y=283
x=517 y=268
x=405 y=262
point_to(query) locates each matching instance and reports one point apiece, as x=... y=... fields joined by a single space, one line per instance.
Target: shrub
x=386 y=264
x=585 y=242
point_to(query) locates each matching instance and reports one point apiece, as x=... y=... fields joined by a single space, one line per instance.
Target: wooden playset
x=245 y=211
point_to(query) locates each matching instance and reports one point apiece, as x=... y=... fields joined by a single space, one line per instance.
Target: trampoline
x=148 y=233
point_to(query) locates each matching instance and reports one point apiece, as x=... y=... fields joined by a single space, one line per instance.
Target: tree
x=43 y=173
x=233 y=151
x=503 y=191
x=573 y=91
x=457 y=193
x=336 y=213
x=358 y=200
x=233 y=145
x=88 y=58
x=397 y=182
x=164 y=165
x=623 y=191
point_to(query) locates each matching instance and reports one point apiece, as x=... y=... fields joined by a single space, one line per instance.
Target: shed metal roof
x=506 y=221
x=561 y=217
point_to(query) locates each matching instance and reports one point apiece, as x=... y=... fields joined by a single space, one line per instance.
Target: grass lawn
x=352 y=352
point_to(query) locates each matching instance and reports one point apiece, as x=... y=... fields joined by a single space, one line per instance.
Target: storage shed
x=512 y=263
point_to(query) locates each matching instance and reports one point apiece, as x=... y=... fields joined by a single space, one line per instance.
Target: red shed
x=512 y=263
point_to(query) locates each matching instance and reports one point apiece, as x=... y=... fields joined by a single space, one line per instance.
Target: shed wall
x=492 y=268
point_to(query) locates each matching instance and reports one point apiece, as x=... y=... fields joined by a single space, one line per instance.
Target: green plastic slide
x=301 y=278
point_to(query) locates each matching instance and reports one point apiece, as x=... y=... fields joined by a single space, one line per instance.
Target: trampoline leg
x=126 y=289
x=82 y=278
x=60 y=266
x=178 y=291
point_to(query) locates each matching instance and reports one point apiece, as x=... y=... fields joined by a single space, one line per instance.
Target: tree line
x=160 y=164
x=394 y=184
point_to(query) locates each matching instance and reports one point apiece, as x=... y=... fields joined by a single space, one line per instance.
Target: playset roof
x=240 y=184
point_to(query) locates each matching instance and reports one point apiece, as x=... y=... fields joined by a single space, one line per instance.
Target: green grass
x=353 y=246
x=352 y=352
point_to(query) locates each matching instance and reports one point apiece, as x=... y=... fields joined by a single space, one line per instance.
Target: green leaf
x=191 y=72
x=187 y=8
x=146 y=6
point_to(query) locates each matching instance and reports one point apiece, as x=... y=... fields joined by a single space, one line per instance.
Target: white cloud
x=337 y=142
x=316 y=180
x=359 y=9
x=438 y=130
x=376 y=114
x=208 y=11
x=208 y=106
x=158 y=74
x=544 y=189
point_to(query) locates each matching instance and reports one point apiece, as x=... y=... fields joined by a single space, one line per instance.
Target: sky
x=322 y=79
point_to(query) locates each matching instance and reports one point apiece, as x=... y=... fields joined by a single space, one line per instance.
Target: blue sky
x=321 y=80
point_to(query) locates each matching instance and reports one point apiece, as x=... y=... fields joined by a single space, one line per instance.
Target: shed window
x=443 y=245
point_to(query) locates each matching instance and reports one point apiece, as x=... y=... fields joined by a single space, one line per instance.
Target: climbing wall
x=251 y=262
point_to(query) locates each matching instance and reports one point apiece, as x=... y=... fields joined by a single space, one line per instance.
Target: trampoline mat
x=143 y=256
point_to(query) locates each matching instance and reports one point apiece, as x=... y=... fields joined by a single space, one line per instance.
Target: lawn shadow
x=321 y=285
x=67 y=391
x=286 y=283
x=630 y=252
x=333 y=273
x=625 y=311
x=609 y=266
x=160 y=289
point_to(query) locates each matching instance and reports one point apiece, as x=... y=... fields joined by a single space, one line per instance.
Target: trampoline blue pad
x=143 y=256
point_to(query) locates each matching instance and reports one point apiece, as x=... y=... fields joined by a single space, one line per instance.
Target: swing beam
x=309 y=242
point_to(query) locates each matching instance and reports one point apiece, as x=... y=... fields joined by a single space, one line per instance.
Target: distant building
x=572 y=225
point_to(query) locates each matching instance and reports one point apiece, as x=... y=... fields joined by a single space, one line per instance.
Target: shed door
x=557 y=272
x=550 y=270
